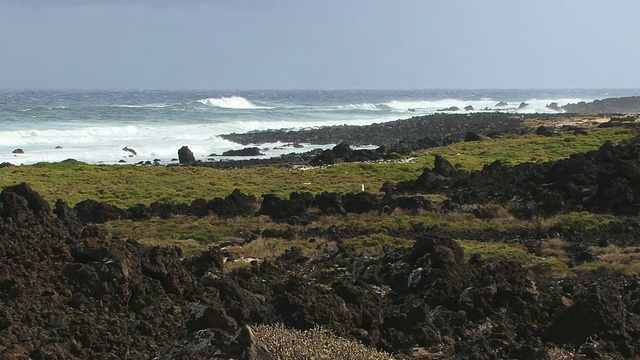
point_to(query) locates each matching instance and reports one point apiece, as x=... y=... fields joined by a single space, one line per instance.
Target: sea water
x=95 y=126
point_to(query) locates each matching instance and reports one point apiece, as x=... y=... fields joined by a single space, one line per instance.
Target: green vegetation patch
x=374 y=244
x=515 y=149
x=579 y=220
x=127 y=185
x=490 y=251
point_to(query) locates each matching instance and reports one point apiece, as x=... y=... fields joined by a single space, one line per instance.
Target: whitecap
x=233 y=102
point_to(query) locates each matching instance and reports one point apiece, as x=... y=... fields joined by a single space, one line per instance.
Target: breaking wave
x=233 y=102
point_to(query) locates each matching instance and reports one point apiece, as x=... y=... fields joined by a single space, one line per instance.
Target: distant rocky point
x=630 y=104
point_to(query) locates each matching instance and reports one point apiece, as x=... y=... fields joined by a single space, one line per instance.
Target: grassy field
x=127 y=185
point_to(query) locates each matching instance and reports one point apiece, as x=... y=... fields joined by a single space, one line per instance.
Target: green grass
x=127 y=185
x=513 y=149
x=517 y=253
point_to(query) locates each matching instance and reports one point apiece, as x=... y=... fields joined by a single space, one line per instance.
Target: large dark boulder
x=554 y=106
x=471 y=136
x=20 y=202
x=327 y=157
x=360 y=203
x=330 y=203
x=185 y=155
x=544 y=131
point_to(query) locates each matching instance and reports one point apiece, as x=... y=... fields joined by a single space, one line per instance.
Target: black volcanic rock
x=95 y=297
x=250 y=151
x=544 y=131
x=451 y=108
x=185 y=155
x=629 y=104
x=471 y=136
x=129 y=150
x=437 y=126
x=235 y=204
x=554 y=106
x=92 y=211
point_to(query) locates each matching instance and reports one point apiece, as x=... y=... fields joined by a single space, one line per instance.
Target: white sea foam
x=233 y=102
x=94 y=144
x=94 y=127
x=364 y=106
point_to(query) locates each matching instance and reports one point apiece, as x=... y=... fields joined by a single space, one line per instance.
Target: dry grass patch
x=317 y=343
x=613 y=259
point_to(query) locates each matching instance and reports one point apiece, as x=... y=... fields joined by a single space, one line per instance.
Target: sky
x=328 y=44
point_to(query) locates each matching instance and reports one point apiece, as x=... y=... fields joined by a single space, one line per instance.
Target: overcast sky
x=327 y=44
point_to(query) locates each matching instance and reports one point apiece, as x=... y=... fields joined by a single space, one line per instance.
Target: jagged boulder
x=95 y=212
x=185 y=156
x=235 y=204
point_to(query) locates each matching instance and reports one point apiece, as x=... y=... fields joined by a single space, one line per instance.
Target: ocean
x=95 y=126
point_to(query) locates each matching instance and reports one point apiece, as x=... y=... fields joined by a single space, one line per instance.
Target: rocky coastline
x=69 y=290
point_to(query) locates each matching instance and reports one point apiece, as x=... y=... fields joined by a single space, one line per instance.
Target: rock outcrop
x=70 y=292
x=185 y=155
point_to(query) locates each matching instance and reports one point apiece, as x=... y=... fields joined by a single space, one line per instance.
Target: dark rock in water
x=122 y=161
x=6 y=164
x=342 y=150
x=554 y=106
x=469 y=108
x=59 y=147
x=18 y=151
x=251 y=151
x=522 y=105
x=544 y=131
x=471 y=136
x=501 y=104
x=623 y=105
x=91 y=211
x=185 y=155
x=451 y=108
x=129 y=150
